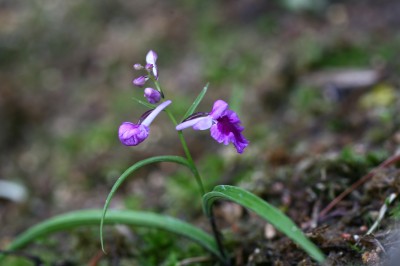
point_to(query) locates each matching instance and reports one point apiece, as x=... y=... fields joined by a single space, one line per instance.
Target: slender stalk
x=188 y=155
x=157 y=85
x=218 y=239
x=197 y=176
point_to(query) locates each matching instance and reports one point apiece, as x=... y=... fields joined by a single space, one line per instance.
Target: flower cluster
x=153 y=96
x=224 y=124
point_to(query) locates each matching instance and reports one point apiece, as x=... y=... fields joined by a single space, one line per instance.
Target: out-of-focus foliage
x=315 y=78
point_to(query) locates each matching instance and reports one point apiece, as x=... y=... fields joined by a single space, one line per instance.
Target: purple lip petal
x=132 y=134
x=226 y=134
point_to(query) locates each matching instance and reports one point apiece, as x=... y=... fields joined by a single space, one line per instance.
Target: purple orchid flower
x=153 y=96
x=224 y=125
x=131 y=134
x=151 y=59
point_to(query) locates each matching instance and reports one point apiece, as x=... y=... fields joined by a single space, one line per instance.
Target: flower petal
x=147 y=121
x=151 y=57
x=200 y=123
x=218 y=109
x=132 y=134
x=228 y=130
x=204 y=123
x=155 y=72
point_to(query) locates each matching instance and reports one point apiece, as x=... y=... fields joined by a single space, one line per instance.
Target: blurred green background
x=307 y=77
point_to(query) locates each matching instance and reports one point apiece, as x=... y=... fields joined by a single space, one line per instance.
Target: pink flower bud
x=138 y=66
x=140 y=81
x=153 y=96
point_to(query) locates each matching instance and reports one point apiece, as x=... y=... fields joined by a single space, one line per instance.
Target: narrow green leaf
x=129 y=171
x=135 y=218
x=266 y=211
x=196 y=102
x=146 y=104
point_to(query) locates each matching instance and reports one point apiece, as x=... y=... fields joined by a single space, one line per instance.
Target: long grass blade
x=134 y=218
x=128 y=172
x=266 y=211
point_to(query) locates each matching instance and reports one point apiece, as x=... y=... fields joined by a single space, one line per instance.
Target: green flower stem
x=218 y=239
x=188 y=155
x=190 y=159
x=197 y=176
x=196 y=173
x=183 y=142
x=157 y=85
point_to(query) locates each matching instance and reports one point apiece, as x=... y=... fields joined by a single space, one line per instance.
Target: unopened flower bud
x=153 y=96
x=138 y=66
x=149 y=66
x=140 y=81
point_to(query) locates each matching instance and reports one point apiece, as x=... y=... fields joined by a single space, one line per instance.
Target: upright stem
x=197 y=176
x=188 y=155
x=190 y=159
x=218 y=239
x=199 y=181
x=157 y=85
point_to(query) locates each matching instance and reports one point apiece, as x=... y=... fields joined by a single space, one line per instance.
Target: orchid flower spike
x=151 y=59
x=224 y=125
x=131 y=134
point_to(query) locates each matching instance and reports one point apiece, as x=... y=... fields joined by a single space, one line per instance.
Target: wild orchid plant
x=225 y=127
x=224 y=124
